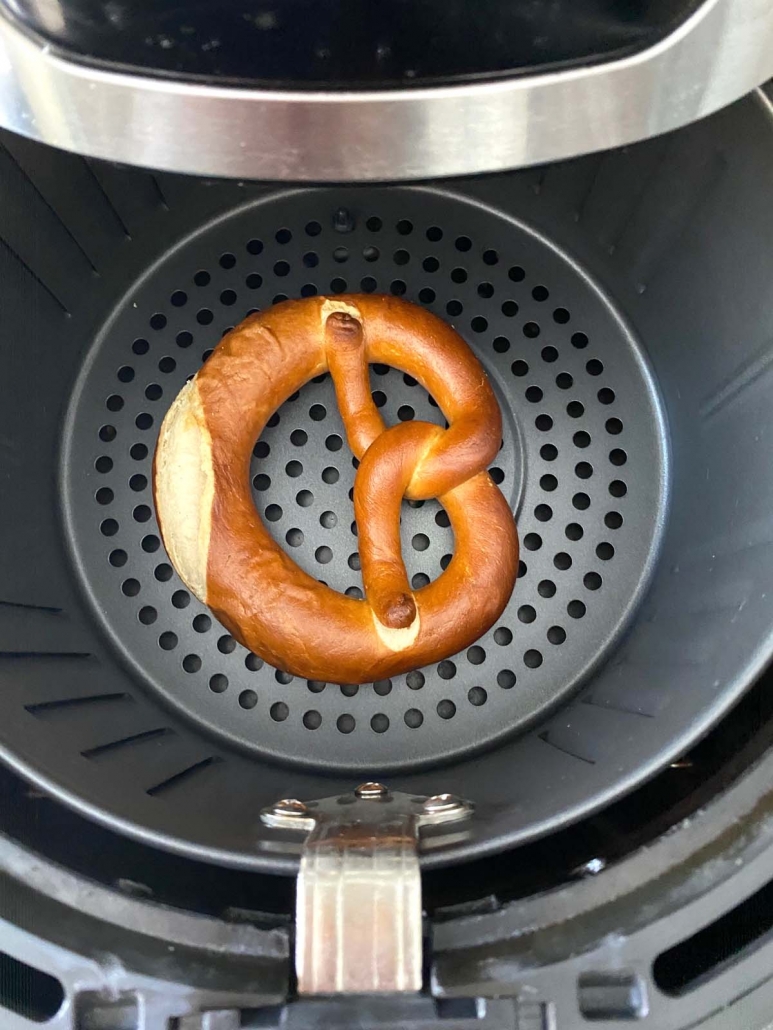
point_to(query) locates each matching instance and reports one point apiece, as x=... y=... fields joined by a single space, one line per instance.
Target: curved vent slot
x=27 y=991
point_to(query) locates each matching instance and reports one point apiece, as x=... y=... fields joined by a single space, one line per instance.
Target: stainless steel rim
x=724 y=50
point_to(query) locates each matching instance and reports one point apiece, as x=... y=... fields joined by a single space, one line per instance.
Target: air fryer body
x=163 y=174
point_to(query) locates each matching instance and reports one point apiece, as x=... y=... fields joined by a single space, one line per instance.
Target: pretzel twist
x=224 y=553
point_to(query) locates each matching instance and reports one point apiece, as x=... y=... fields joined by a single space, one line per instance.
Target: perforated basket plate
x=581 y=463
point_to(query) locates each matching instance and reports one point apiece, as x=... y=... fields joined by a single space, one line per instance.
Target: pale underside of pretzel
x=224 y=553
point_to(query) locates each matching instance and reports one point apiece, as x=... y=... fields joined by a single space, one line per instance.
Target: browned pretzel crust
x=221 y=549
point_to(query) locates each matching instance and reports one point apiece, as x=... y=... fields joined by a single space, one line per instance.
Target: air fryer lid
x=122 y=694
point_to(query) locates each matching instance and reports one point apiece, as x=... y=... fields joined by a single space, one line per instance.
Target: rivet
x=443 y=803
x=290 y=807
x=371 y=791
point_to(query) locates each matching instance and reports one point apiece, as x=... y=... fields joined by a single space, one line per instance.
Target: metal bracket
x=358 y=904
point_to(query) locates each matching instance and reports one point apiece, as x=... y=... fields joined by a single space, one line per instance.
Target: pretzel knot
x=225 y=554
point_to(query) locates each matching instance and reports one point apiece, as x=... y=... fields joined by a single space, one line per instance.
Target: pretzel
x=221 y=549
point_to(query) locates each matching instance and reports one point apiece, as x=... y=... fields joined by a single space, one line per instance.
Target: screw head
x=291 y=808
x=444 y=804
x=371 y=791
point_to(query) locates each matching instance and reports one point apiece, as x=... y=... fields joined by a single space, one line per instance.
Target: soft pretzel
x=221 y=549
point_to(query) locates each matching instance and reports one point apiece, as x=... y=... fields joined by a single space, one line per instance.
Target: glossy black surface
x=341 y=43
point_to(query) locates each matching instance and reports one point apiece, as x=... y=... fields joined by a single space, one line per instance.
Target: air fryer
x=621 y=304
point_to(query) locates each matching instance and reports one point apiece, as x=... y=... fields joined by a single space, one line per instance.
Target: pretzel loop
x=224 y=552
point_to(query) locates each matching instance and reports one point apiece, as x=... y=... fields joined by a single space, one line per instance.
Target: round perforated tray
x=581 y=464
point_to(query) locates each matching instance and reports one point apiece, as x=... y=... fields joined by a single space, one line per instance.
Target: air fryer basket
x=622 y=308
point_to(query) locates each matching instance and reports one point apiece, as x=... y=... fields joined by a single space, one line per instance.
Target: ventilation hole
x=510 y=310
x=561 y=316
x=184 y=339
x=345 y=723
x=413 y=718
x=534 y=394
x=454 y=307
x=430 y=264
x=548 y=482
x=556 y=635
x=605 y=551
x=618 y=488
x=383 y=687
x=261 y=481
x=613 y=426
x=341 y=254
x=503 y=636
x=404 y=227
x=581 y=501
x=485 y=290
x=532 y=541
x=283 y=677
x=531 y=330
x=153 y=392
x=334 y=442
x=261 y=449
x=477 y=696
x=202 y=623
x=114 y=402
x=506 y=679
x=167 y=365
x=442 y=519
x=253 y=663
x=141 y=513
x=497 y=475
x=581 y=439
x=476 y=655
x=434 y=234
x=368 y=284
x=458 y=275
x=138 y=482
x=328 y=519
x=409 y=380
x=316 y=686
x=401 y=257
x=532 y=659
x=543 y=513
x=299 y=437
x=606 y=396
x=446 y=709
x=108 y=527
x=583 y=470
x=304 y=498
x=293 y=469
x=564 y=381
x=415 y=680
x=490 y=257
x=157 y=321
x=143 y=420
x=576 y=609
x=107 y=433
x=353 y=528
x=371 y=254
x=549 y=354
x=201 y=278
x=381 y=370
x=150 y=544
x=544 y=423
x=167 y=641
x=592 y=580
x=546 y=588
x=147 y=615
x=312 y=720
x=255 y=247
x=405 y=413
x=218 y=684
x=501 y=344
x=125 y=374
x=279 y=711
x=548 y=452
x=445 y=561
x=313 y=229
x=446 y=670
x=419 y=580
x=353 y=562
x=575 y=409
x=310 y=259
x=274 y=512
x=397 y=287
x=227 y=260
x=579 y=340
x=104 y=495
x=463 y=243
x=526 y=613
x=594 y=367
x=618 y=456
x=204 y=316
x=247 y=698
x=540 y=293
x=613 y=520
x=574 y=531
x=522 y=569
x=323 y=555
x=519 y=368
x=294 y=537
x=192 y=663
x=338 y=285
x=118 y=558
x=562 y=561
